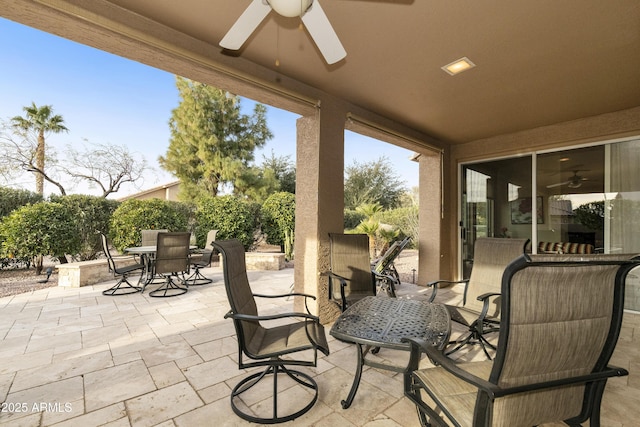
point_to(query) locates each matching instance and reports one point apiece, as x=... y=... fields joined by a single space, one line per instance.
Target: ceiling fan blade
x=253 y=15
x=322 y=33
x=558 y=184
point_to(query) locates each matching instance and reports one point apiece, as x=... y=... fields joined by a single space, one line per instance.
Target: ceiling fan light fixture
x=290 y=8
x=458 y=66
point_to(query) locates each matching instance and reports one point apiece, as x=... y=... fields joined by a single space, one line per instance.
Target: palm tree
x=41 y=121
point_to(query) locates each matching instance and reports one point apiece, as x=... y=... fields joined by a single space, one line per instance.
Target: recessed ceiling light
x=458 y=66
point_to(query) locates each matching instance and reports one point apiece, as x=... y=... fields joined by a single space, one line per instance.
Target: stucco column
x=319 y=203
x=430 y=218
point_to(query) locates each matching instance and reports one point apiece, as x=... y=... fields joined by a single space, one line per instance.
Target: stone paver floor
x=73 y=357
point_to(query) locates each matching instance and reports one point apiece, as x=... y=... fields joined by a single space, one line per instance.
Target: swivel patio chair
x=270 y=347
x=480 y=309
x=561 y=317
x=171 y=264
x=202 y=260
x=149 y=237
x=351 y=277
x=122 y=286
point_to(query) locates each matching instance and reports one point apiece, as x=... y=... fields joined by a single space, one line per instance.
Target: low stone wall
x=85 y=273
x=265 y=260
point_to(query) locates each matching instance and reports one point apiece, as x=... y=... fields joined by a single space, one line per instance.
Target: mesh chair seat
x=171 y=263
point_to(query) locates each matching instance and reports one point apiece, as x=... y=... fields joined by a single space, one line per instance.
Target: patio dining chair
x=561 y=318
x=271 y=347
x=122 y=286
x=202 y=260
x=350 y=276
x=171 y=264
x=149 y=237
x=480 y=309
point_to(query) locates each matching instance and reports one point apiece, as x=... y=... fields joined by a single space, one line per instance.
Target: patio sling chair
x=385 y=264
x=270 y=347
x=122 y=286
x=149 y=237
x=480 y=309
x=171 y=262
x=202 y=260
x=351 y=277
x=561 y=317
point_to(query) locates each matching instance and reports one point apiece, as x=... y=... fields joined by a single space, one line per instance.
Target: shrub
x=403 y=219
x=278 y=217
x=233 y=217
x=40 y=229
x=352 y=218
x=11 y=199
x=91 y=215
x=133 y=216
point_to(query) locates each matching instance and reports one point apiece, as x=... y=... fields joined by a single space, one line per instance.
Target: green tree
x=283 y=170
x=212 y=143
x=37 y=124
x=40 y=229
x=372 y=182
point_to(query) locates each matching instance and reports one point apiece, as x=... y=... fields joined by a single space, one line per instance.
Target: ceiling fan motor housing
x=290 y=8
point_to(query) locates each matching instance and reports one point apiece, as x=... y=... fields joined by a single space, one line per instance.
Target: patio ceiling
x=537 y=63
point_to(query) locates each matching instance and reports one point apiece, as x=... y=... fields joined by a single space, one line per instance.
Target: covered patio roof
x=537 y=63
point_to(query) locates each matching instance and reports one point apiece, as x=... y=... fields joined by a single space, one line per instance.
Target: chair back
x=350 y=260
x=239 y=294
x=490 y=258
x=107 y=253
x=149 y=237
x=211 y=236
x=390 y=255
x=172 y=252
x=559 y=320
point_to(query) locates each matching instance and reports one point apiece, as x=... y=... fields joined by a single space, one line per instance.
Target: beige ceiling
x=538 y=62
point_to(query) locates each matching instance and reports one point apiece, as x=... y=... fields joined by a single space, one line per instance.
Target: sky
x=107 y=99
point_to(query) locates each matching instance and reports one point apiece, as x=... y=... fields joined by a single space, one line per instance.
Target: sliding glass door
x=585 y=200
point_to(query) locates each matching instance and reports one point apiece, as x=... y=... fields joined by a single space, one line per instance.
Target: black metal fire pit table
x=380 y=322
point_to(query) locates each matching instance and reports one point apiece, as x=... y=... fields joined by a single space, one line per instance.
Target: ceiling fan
x=313 y=18
x=575 y=181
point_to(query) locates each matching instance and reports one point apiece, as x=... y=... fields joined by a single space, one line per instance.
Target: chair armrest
x=291 y=294
x=343 y=284
x=438 y=358
x=436 y=284
x=231 y=315
x=485 y=306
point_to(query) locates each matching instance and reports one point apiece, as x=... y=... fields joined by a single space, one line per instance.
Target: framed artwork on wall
x=521 y=211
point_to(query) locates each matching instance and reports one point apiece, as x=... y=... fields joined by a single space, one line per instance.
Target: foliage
x=370 y=228
x=11 y=199
x=232 y=216
x=278 y=216
x=276 y=174
x=283 y=170
x=403 y=219
x=591 y=215
x=106 y=166
x=43 y=228
x=372 y=182
x=91 y=216
x=133 y=216
x=352 y=218
x=34 y=127
x=212 y=143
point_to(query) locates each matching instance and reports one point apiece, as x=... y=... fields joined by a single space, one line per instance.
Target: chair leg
x=197 y=278
x=247 y=383
x=474 y=337
x=123 y=287
x=169 y=289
